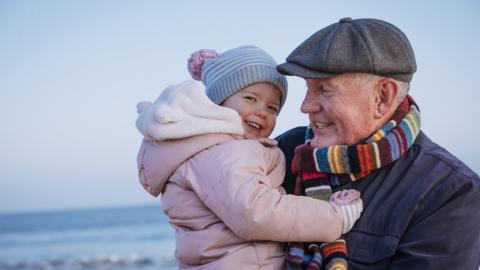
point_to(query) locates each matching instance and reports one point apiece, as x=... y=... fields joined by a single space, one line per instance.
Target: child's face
x=257 y=105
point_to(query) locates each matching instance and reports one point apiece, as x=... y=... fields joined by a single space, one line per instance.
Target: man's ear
x=386 y=98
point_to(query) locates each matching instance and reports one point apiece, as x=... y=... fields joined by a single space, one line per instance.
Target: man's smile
x=321 y=125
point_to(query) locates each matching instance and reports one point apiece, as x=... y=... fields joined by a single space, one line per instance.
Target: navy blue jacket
x=420 y=212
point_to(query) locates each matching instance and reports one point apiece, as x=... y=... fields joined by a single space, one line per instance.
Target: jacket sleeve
x=240 y=182
x=445 y=231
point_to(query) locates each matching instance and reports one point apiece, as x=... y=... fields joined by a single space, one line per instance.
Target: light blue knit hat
x=225 y=74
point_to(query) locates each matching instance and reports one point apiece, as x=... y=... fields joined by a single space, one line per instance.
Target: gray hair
x=404 y=87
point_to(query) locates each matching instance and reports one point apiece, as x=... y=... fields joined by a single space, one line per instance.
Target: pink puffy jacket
x=223 y=197
x=222 y=194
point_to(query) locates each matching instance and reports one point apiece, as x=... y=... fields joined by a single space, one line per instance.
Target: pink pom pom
x=195 y=62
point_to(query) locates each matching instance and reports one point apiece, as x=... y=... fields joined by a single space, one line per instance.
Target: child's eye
x=273 y=109
x=249 y=98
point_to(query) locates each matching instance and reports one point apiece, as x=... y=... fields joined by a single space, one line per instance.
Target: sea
x=123 y=238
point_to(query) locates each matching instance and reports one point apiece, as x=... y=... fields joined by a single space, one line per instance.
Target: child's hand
x=351 y=207
x=344 y=197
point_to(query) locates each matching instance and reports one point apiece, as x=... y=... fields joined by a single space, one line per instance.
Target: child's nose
x=261 y=111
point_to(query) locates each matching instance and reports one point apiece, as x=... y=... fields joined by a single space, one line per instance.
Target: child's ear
x=386 y=98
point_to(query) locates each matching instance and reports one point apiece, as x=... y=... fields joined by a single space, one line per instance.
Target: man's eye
x=326 y=91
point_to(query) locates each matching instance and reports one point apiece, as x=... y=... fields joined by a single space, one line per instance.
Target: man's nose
x=309 y=104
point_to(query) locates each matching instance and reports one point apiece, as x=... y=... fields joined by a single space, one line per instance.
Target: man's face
x=340 y=109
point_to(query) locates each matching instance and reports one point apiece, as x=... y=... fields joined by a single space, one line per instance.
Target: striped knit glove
x=350 y=213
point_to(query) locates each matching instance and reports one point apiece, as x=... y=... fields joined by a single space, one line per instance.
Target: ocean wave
x=113 y=261
x=93 y=236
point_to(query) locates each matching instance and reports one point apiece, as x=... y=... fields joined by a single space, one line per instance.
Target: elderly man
x=422 y=205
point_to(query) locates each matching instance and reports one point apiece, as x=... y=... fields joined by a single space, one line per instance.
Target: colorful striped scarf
x=321 y=169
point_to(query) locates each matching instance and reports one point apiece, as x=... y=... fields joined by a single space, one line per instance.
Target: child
x=220 y=177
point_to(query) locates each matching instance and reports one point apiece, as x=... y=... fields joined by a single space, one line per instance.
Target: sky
x=71 y=73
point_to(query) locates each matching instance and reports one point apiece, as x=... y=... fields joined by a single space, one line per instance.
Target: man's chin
x=321 y=143
x=325 y=137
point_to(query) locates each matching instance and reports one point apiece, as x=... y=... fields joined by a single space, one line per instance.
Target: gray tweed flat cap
x=361 y=45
